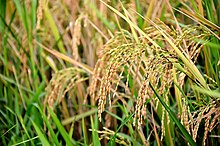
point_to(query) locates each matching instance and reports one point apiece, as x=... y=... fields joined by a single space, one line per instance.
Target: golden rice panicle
x=102 y=63
x=76 y=36
x=61 y=82
x=196 y=124
x=154 y=72
x=207 y=123
x=185 y=117
x=119 y=57
x=119 y=52
x=215 y=120
x=96 y=76
x=210 y=115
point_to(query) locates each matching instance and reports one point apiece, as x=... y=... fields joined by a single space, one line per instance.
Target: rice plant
x=115 y=72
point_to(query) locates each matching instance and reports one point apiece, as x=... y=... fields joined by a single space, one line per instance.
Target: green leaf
x=41 y=135
x=211 y=93
x=45 y=119
x=2 y=14
x=61 y=128
x=95 y=136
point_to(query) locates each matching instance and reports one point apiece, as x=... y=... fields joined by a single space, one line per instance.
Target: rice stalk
x=39 y=13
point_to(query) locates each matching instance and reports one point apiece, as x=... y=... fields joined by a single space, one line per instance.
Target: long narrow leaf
x=95 y=136
x=54 y=138
x=41 y=135
x=2 y=14
x=61 y=128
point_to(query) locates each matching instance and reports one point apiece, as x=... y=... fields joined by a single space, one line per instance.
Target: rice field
x=119 y=72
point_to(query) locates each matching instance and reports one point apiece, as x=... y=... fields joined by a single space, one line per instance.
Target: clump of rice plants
x=121 y=72
x=145 y=64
